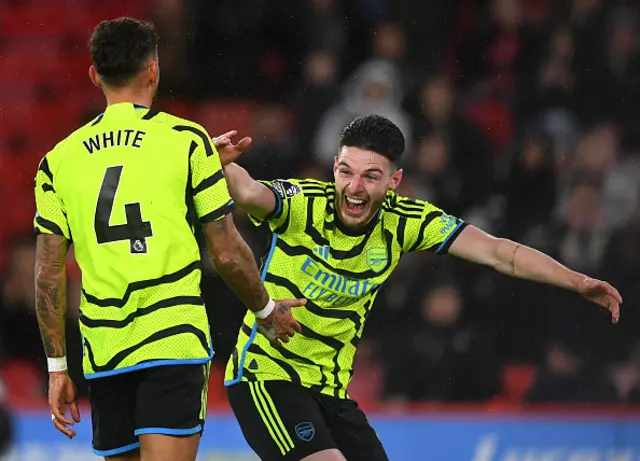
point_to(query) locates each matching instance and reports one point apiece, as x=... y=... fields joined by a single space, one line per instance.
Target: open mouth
x=355 y=206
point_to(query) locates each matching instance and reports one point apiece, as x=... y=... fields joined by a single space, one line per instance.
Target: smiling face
x=362 y=179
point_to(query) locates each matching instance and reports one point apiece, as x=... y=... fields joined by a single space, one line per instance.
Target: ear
x=396 y=178
x=335 y=165
x=154 y=72
x=94 y=77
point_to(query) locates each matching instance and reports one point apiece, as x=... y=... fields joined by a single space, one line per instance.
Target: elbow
x=502 y=255
x=225 y=257
x=245 y=195
x=227 y=253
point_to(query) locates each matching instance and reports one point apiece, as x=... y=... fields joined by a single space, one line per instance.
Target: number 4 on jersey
x=135 y=229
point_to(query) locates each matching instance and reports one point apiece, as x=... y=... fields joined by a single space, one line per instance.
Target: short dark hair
x=120 y=47
x=375 y=133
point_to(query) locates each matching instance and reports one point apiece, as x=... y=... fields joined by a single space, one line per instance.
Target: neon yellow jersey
x=127 y=189
x=339 y=271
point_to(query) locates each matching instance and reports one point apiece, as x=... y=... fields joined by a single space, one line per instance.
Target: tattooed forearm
x=235 y=263
x=51 y=292
x=242 y=276
x=513 y=260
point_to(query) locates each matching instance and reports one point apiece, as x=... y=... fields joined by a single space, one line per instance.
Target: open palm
x=229 y=151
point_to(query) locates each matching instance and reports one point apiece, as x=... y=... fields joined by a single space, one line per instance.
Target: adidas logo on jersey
x=323 y=252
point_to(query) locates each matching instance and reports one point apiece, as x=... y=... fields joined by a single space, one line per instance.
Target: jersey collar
x=360 y=231
x=119 y=105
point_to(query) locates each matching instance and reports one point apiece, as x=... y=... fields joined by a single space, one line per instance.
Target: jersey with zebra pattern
x=339 y=271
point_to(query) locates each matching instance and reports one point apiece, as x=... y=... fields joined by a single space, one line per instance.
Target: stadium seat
x=516 y=381
x=367 y=384
x=22 y=379
x=494 y=119
x=217 y=395
x=220 y=116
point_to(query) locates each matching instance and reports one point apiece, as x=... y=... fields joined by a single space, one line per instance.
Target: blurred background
x=521 y=116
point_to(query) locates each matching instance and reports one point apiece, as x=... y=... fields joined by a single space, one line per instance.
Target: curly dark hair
x=375 y=133
x=120 y=47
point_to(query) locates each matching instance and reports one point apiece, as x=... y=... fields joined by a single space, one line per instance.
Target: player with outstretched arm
x=128 y=189
x=335 y=243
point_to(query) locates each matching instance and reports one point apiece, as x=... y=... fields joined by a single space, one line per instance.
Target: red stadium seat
x=217 y=395
x=22 y=379
x=516 y=381
x=220 y=116
x=175 y=107
x=494 y=118
x=367 y=384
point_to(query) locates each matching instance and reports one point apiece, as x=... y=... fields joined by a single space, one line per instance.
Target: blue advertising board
x=433 y=437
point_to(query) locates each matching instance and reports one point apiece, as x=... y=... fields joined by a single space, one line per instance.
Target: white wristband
x=266 y=312
x=57 y=364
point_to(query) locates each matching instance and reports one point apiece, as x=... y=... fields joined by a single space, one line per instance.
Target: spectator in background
x=314 y=170
x=623 y=79
x=588 y=20
x=438 y=180
x=316 y=93
x=170 y=17
x=569 y=376
x=582 y=231
x=597 y=151
x=621 y=190
x=374 y=88
x=469 y=151
x=389 y=44
x=271 y=152
x=549 y=95
x=620 y=264
x=611 y=85
x=449 y=361
x=531 y=189
x=490 y=57
x=324 y=26
x=633 y=397
x=427 y=26
x=18 y=329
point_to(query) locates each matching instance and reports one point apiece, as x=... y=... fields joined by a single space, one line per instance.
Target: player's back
x=123 y=182
x=125 y=185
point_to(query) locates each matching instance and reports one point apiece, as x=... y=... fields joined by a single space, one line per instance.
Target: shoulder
x=187 y=128
x=55 y=157
x=178 y=124
x=289 y=188
x=408 y=207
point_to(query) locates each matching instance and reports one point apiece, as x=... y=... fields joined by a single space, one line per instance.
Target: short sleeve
x=285 y=191
x=51 y=216
x=210 y=192
x=433 y=231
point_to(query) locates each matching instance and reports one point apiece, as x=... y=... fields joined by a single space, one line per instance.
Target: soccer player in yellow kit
x=127 y=189
x=335 y=243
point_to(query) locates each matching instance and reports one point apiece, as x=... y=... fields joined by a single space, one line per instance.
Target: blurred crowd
x=521 y=116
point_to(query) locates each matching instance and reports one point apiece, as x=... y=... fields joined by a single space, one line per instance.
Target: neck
x=129 y=95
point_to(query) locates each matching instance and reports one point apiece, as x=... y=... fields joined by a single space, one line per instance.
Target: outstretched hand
x=603 y=294
x=280 y=324
x=229 y=151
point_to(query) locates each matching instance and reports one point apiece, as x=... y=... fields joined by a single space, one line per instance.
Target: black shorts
x=170 y=400
x=285 y=421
